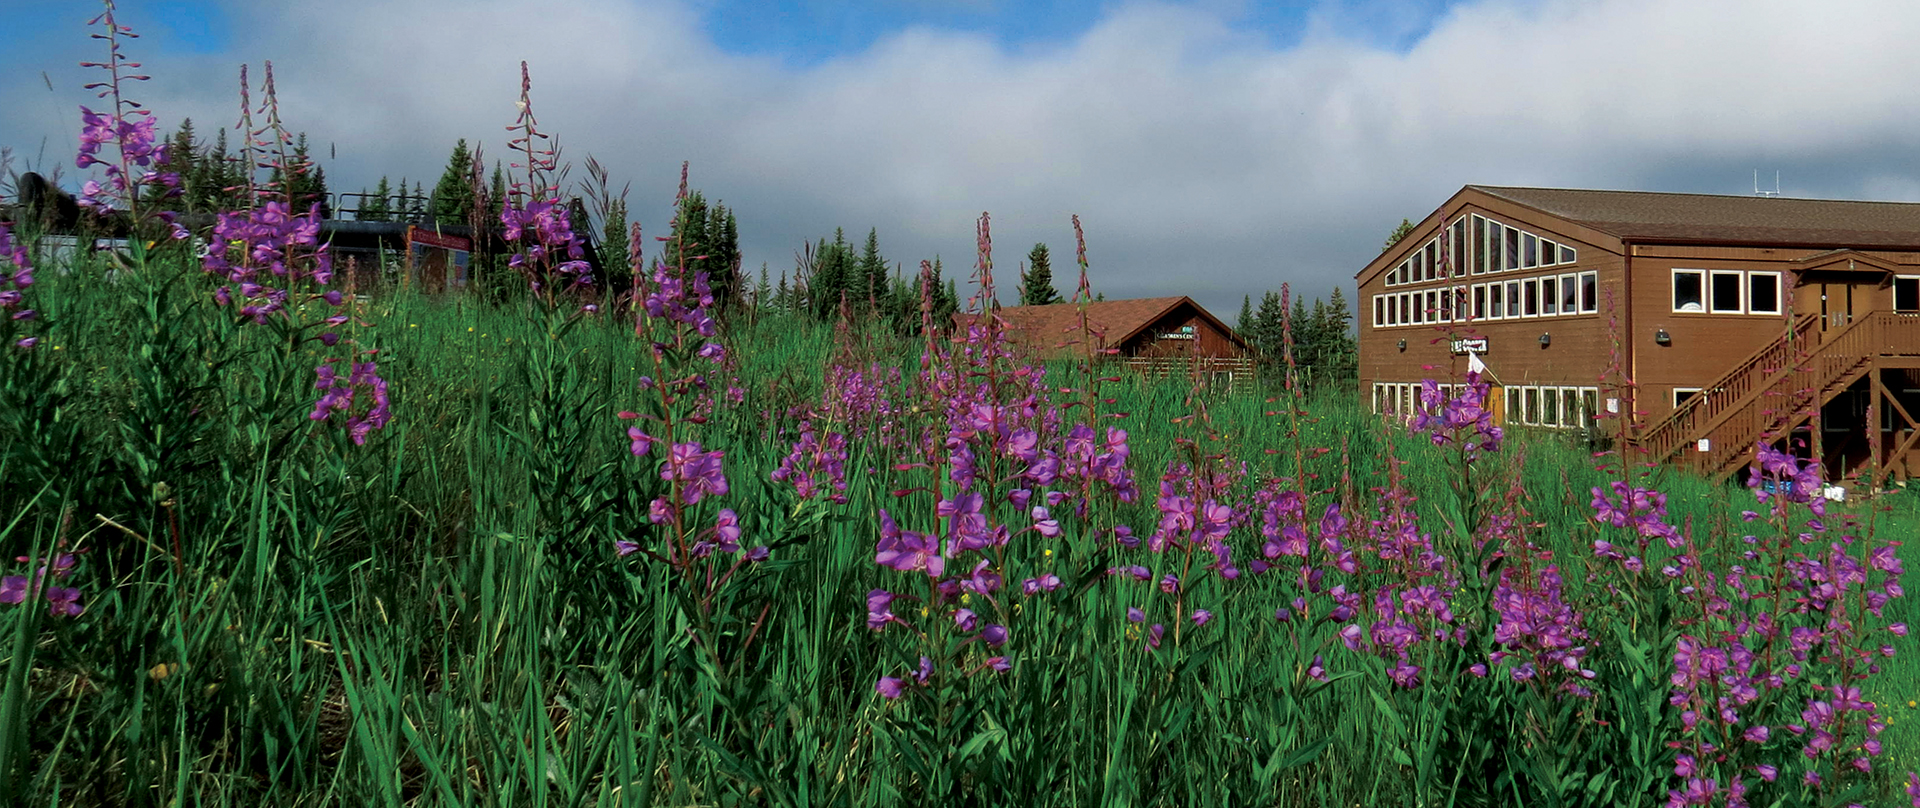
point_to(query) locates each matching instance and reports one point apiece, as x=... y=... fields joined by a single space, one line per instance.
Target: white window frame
x=1673 y=397
x=1496 y=309
x=1895 y=302
x=1673 y=291
x=1529 y=240
x=1740 y=289
x=1589 y=303
x=1746 y=288
x=1549 y=303
x=1479 y=310
x=1569 y=294
x=1379 y=311
x=1516 y=301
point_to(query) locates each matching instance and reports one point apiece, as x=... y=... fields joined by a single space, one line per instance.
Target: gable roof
x=1041 y=329
x=1749 y=220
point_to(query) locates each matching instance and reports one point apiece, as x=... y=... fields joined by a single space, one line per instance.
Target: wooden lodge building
x=1739 y=319
x=1156 y=337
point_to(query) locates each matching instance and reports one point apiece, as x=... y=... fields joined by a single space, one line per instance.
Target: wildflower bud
x=966 y=620
x=1134 y=615
x=1000 y=663
x=994 y=635
x=1201 y=616
x=890 y=687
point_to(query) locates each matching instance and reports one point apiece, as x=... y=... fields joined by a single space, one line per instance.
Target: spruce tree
x=723 y=258
x=1036 y=288
x=417 y=204
x=763 y=292
x=870 y=279
x=1245 y=320
x=1399 y=232
x=453 y=194
x=1265 y=334
x=377 y=208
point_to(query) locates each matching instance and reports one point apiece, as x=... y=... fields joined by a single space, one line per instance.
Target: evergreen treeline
x=1325 y=352
x=213 y=179
x=832 y=278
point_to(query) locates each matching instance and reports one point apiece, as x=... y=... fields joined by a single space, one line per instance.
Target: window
x=1513 y=298
x=1906 y=293
x=1530 y=398
x=1763 y=293
x=1479 y=246
x=1393 y=309
x=1688 y=294
x=1570 y=414
x=1568 y=254
x=1682 y=394
x=1549 y=295
x=1513 y=404
x=1418 y=262
x=1726 y=297
x=1433 y=306
x=1434 y=270
x=1589 y=404
x=1549 y=253
x=1407 y=314
x=1480 y=301
x=1446 y=305
x=1549 y=407
x=1496 y=305
x=1494 y=239
x=1513 y=248
x=1458 y=255
x=1529 y=251
x=1569 y=294
x=1589 y=291
x=1379 y=311
x=1419 y=308
x=1530 y=291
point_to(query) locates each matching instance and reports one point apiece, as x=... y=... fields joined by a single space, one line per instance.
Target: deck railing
x=1777 y=388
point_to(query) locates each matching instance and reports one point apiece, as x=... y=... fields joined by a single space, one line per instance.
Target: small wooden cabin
x=1738 y=319
x=1157 y=337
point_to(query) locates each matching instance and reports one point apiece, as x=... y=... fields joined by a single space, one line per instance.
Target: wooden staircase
x=1777 y=389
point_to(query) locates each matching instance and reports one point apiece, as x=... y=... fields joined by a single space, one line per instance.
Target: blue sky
x=1216 y=148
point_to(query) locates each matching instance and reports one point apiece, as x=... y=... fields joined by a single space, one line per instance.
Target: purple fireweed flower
x=966 y=620
x=905 y=550
x=64 y=601
x=727 y=531
x=994 y=635
x=698 y=471
x=1201 y=616
x=890 y=687
x=1134 y=615
x=338 y=394
x=1154 y=633
x=548 y=251
x=1045 y=583
x=642 y=443
x=816 y=467
x=1000 y=663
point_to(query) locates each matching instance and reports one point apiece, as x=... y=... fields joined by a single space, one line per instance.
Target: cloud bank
x=1203 y=158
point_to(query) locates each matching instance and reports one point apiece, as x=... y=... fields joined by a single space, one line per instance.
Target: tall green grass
x=276 y=616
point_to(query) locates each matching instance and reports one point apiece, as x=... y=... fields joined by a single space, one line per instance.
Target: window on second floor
x=1689 y=290
x=1906 y=293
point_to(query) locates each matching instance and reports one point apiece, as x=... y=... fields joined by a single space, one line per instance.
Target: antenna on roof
x=1756 y=184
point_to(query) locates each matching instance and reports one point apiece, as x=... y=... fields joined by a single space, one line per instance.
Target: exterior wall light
x=1403 y=345
x=1661 y=337
x=1545 y=339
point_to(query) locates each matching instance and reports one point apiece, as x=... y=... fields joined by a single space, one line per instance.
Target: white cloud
x=1202 y=159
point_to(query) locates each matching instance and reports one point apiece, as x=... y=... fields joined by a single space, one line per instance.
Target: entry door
x=1836 y=305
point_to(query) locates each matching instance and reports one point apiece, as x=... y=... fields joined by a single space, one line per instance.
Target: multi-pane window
x=1726 y=291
